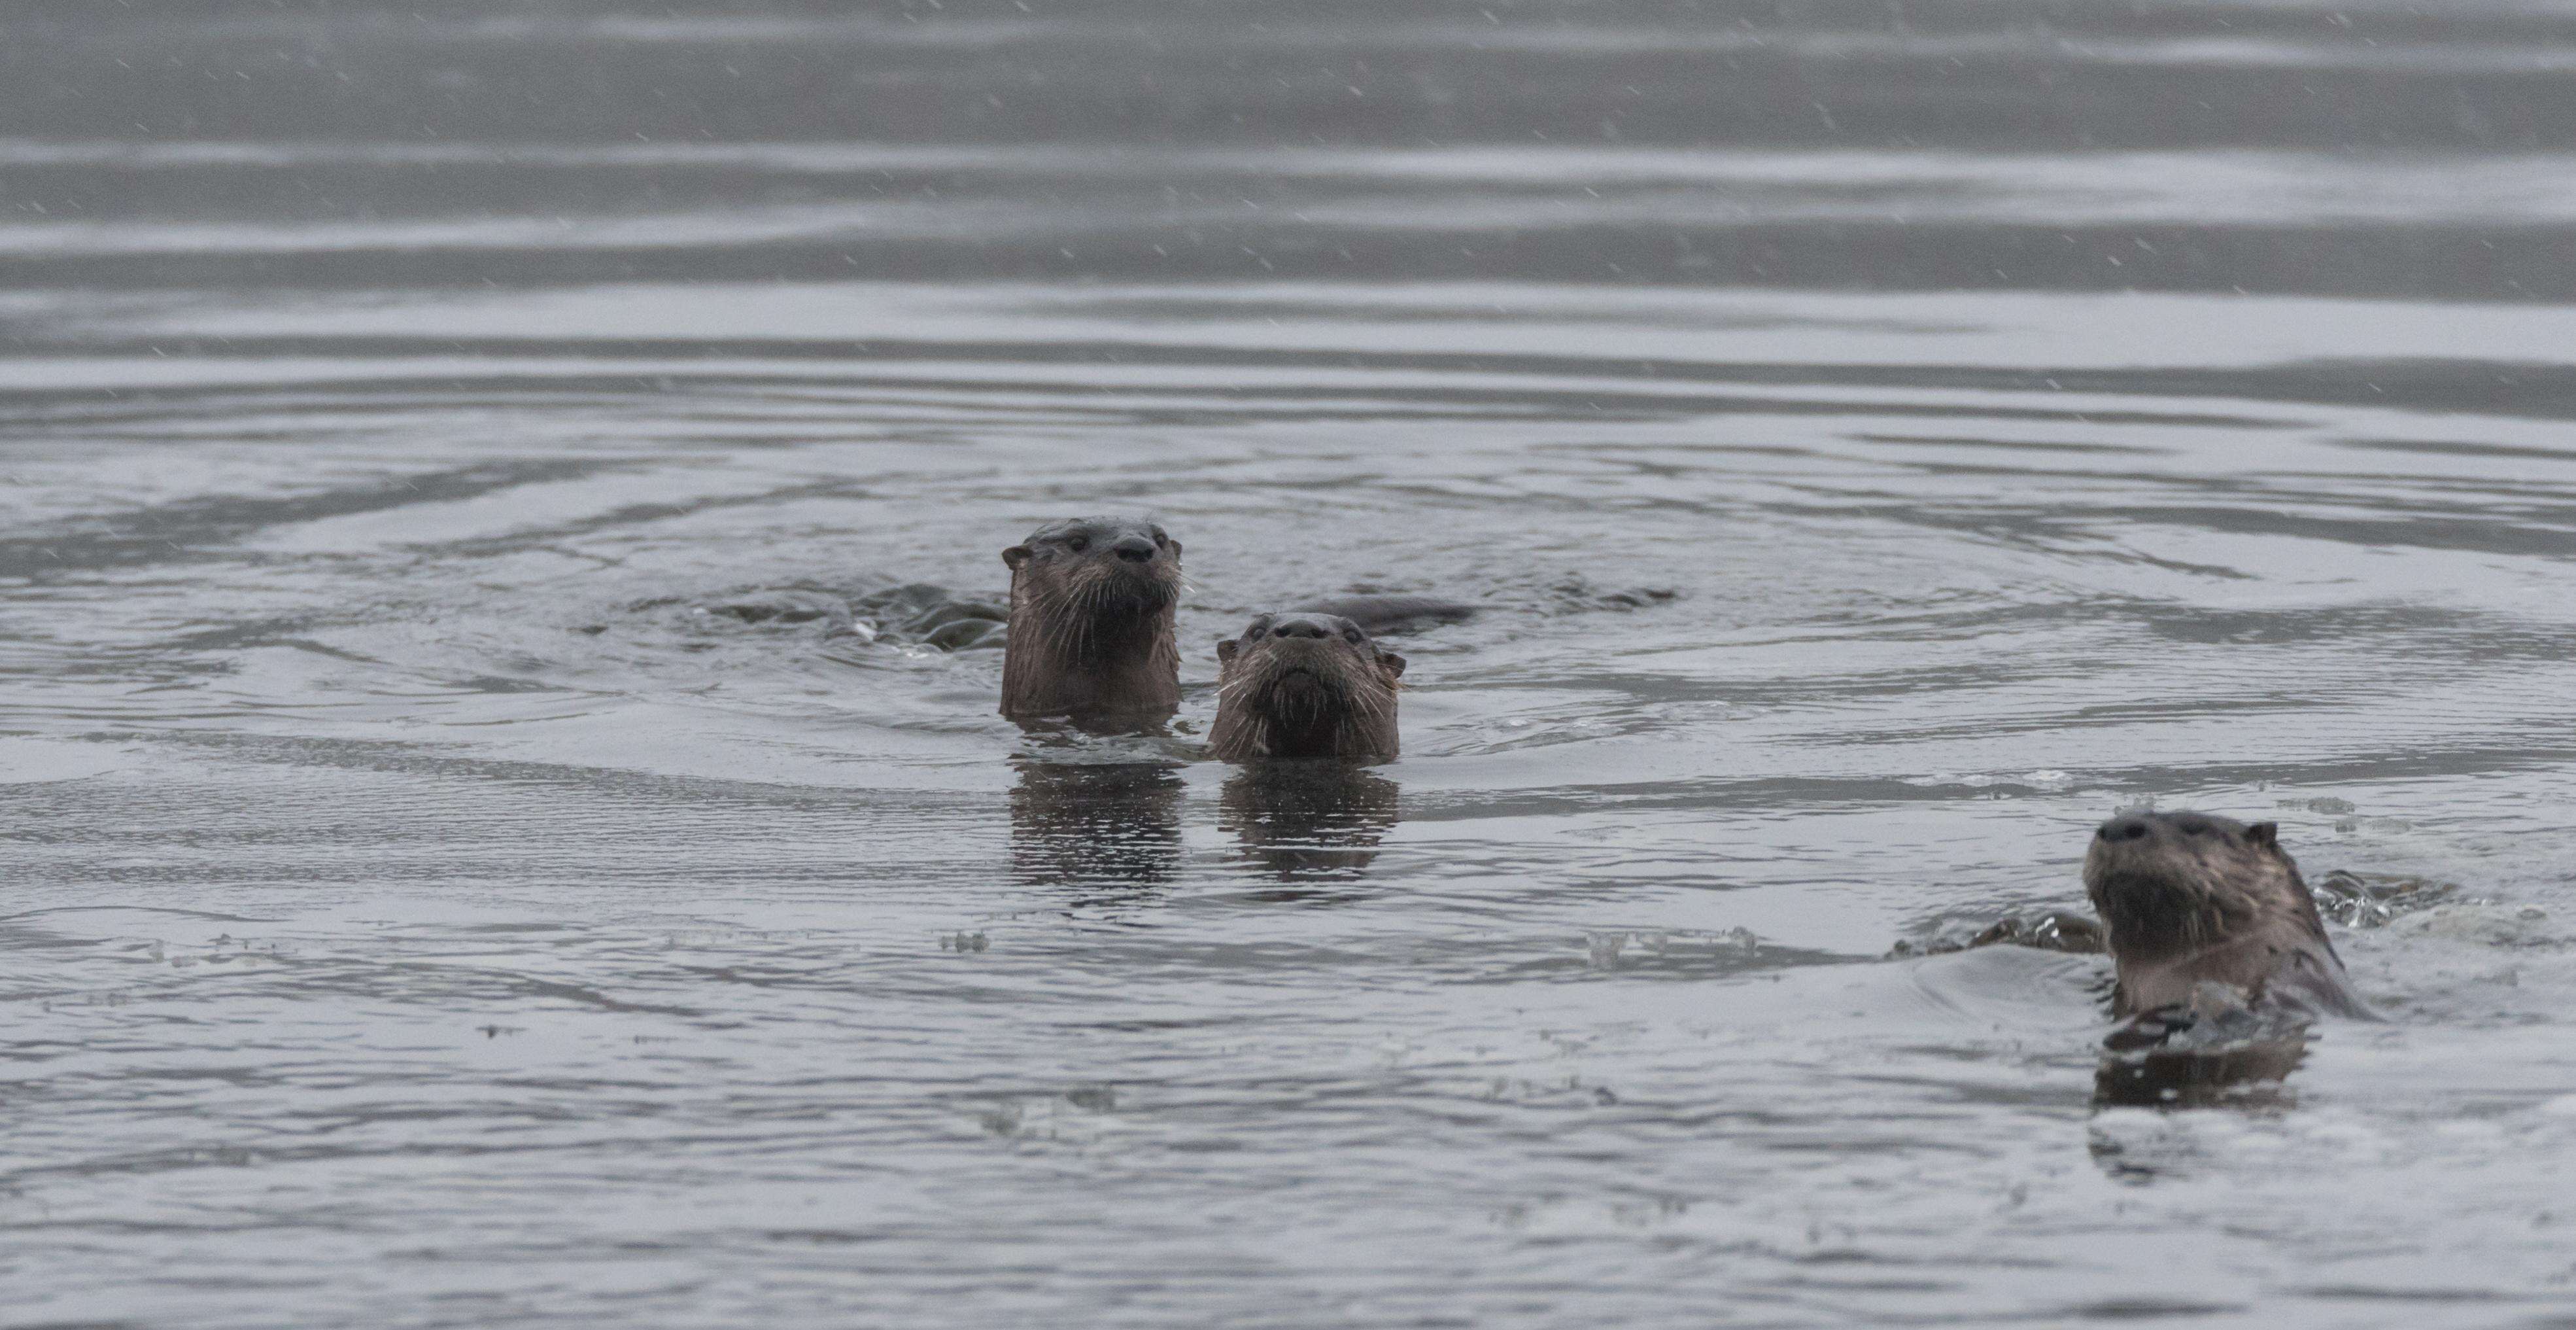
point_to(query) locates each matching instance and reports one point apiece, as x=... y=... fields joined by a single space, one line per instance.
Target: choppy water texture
x=416 y=913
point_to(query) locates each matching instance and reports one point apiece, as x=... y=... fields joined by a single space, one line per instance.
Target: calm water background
x=413 y=913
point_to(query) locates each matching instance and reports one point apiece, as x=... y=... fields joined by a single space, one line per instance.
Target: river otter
x=1304 y=685
x=1091 y=621
x=2190 y=897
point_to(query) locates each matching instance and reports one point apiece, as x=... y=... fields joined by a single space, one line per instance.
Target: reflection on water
x=1105 y=825
x=1308 y=820
x=2218 y=1048
x=504 y=812
x=2250 y=1075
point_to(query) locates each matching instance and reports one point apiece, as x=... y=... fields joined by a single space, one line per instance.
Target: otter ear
x=1225 y=649
x=2264 y=833
x=1013 y=557
x=1176 y=549
x=1392 y=663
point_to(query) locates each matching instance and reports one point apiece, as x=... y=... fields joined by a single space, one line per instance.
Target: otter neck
x=2159 y=922
x=1308 y=735
x=1281 y=723
x=2149 y=925
x=1060 y=660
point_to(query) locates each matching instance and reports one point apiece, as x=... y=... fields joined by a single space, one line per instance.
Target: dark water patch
x=2458 y=79
x=2414 y=629
x=2455 y=448
x=2531 y=529
x=634 y=515
x=194 y=529
x=2535 y=531
x=2500 y=263
x=2002 y=445
x=398 y=759
x=2509 y=389
x=1574 y=402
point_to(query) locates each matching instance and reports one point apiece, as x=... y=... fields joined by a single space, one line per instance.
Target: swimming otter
x=2190 y=897
x=1304 y=685
x=1091 y=621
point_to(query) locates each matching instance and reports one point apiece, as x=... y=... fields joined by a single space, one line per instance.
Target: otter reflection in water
x=1096 y=824
x=2216 y=1048
x=1314 y=819
x=2222 y=959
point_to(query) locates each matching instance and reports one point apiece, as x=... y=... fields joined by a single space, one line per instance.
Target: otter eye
x=1077 y=544
x=1160 y=538
x=1352 y=635
x=1254 y=632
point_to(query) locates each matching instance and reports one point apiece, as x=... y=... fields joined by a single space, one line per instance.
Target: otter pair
x=1091 y=637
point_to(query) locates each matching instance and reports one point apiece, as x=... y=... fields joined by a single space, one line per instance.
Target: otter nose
x=2123 y=828
x=1301 y=628
x=1134 y=549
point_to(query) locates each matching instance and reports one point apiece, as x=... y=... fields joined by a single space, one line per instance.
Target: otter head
x=2168 y=884
x=1091 y=620
x=1305 y=685
x=1103 y=568
x=2189 y=898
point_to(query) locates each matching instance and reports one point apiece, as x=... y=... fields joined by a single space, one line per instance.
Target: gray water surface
x=415 y=911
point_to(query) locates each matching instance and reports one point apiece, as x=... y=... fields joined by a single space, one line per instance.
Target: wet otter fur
x=1092 y=602
x=1305 y=685
x=2192 y=897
